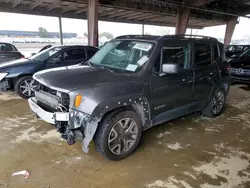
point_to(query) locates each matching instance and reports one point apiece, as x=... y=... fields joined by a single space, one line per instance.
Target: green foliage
x=107 y=35
x=42 y=32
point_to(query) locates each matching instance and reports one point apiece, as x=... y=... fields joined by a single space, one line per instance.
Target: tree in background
x=108 y=35
x=85 y=34
x=163 y=31
x=42 y=32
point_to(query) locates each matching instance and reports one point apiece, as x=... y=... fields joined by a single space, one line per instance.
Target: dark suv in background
x=240 y=68
x=132 y=84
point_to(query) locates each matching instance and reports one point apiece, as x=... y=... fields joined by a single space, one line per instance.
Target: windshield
x=126 y=55
x=45 y=54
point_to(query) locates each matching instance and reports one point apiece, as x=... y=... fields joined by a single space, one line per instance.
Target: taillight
x=22 y=56
x=228 y=68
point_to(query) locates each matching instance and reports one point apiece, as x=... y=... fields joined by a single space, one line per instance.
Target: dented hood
x=67 y=79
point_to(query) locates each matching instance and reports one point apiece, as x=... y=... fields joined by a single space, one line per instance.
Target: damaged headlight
x=3 y=75
x=77 y=119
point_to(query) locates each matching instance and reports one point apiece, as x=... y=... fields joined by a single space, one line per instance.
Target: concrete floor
x=188 y=152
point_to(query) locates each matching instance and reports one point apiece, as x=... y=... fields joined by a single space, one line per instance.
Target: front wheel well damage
x=140 y=106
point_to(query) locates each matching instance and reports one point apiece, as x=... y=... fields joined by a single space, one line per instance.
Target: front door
x=170 y=92
x=68 y=57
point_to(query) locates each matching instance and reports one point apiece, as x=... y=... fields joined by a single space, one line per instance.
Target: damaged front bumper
x=49 y=117
x=4 y=85
x=74 y=125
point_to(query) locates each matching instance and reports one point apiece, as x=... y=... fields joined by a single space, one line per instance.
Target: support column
x=61 y=32
x=182 y=21
x=143 y=32
x=93 y=22
x=230 y=30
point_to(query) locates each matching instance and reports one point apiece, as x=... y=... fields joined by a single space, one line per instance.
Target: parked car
x=9 y=52
x=131 y=84
x=240 y=68
x=43 y=48
x=17 y=75
x=235 y=50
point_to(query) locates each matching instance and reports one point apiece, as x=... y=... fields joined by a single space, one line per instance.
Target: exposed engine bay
x=72 y=124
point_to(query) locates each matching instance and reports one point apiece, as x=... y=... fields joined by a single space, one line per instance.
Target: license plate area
x=61 y=116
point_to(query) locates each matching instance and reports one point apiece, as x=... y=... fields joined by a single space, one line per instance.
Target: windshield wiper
x=106 y=68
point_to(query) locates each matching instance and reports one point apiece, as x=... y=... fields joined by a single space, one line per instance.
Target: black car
x=17 y=75
x=235 y=50
x=240 y=68
x=132 y=84
x=9 y=52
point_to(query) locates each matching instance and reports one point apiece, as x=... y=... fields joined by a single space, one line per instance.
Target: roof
x=165 y=37
x=154 y=12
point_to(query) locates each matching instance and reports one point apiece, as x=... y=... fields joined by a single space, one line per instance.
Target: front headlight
x=3 y=75
x=77 y=119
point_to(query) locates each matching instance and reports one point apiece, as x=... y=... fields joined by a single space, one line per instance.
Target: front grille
x=240 y=72
x=63 y=98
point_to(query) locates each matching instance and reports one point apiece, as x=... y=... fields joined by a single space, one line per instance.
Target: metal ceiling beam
x=125 y=12
x=83 y=9
x=15 y=3
x=69 y=7
x=54 y=5
x=150 y=17
x=111 y=12
x=132 y=15
x=197 y=3
x=191 y=7
x=36 y=3
x=139 y=15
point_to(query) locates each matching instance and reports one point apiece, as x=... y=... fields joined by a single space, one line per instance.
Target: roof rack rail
x=131 y=36
x=186 y=36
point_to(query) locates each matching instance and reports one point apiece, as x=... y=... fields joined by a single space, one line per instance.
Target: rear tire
x=118 y=135
x=216 y=104
x=24 y=87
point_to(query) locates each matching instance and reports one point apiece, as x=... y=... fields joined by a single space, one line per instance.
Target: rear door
x=206 y=73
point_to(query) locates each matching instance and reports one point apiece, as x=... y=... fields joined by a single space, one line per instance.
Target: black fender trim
x=139 y=104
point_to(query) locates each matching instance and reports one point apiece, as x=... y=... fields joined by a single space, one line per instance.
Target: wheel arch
x=13 y=80
x=139 y=105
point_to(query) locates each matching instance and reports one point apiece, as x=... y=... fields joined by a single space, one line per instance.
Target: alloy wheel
x=27 y=87
x=218 y=102
x=123 y=136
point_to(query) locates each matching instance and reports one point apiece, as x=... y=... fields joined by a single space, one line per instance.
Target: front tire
x=216 y=104
x=25 y=86
x=118 y=135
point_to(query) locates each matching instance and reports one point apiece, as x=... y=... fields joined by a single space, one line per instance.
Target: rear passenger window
x=216 y=51
x=202 y=55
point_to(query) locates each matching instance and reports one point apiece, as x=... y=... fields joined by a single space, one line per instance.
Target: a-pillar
x=182 y=21
x=93 y=22
x=230 y=30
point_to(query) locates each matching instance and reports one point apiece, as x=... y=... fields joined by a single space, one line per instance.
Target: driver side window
x=179 y=55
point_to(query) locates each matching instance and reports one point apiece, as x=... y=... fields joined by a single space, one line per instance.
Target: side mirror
x=170 y=68
x=32 y=54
